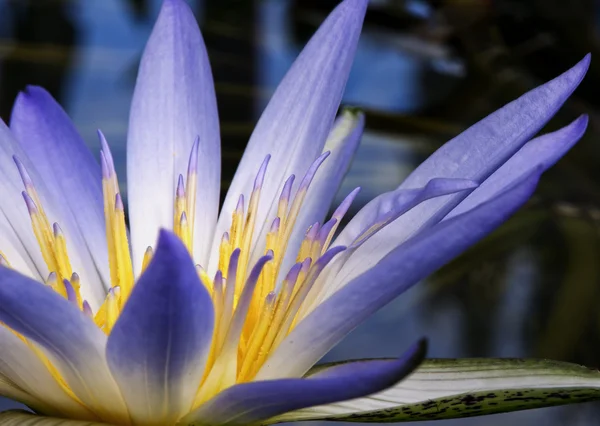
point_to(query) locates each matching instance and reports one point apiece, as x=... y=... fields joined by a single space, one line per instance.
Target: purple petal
x=294 y=126
x=391 y=205
x=412 y=261
x=483 y=147
x=173 y=104
x=158 y=348
x=475 y=154
x=545 y=150
x=66 y=166
x=257 y=401
x=72 y=340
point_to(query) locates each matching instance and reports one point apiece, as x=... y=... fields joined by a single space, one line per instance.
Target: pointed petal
x=65 y=164
x=158 y=348
x=173 y=104
x=320 y=330
x=451 y=388
x=374 y=221
x=257 y=401
x=545 y=150
x=483 y=147
x=342 y=143
x=391 y=205
x=475 y=154
x=70 y=339
x=22 y=418
x=23 y=368
x=295 y=124
x=18 y=242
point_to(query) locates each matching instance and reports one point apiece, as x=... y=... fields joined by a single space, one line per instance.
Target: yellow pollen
x=256 y=303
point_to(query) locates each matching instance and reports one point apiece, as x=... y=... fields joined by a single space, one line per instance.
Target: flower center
x=256 y=303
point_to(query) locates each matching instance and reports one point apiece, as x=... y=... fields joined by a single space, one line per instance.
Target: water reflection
x=423 y=71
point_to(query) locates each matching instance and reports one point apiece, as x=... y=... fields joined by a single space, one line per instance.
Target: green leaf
x=452 y=388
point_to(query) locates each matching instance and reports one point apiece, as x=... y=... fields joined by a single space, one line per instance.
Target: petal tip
x=355 y=6
x=166 y=238
x=581 y=67
x=173 y=7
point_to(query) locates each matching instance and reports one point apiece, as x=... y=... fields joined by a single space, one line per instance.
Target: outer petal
x=342 y=143
x=257 y=401
x=22 y=418
x=396 y=272
x=173 y=104
x=157 y=350
x=72 y=341
x=474 y=154
x=18 y=242
x=295 y=124
x=545 y=150
x=65 y=164
x=450 y=388
x=24 y=370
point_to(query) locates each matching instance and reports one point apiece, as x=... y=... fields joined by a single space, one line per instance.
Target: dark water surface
x=424 y=71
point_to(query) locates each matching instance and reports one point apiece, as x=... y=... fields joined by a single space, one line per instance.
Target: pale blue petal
x=74 y=344
x=173 y=104
x=295 y=124
x=18 y=242
x=67 y=167
x=412 y=261
x=158 y=348
x=254 y=402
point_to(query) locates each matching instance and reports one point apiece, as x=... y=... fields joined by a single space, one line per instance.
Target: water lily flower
x=193 y=317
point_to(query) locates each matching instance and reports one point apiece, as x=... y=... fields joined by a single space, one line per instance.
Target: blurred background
x=425 y=70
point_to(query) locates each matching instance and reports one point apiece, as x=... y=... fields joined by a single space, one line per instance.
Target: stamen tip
x=119 y=202
x=193 y=162
x=104 y=166
x=107 y=155
x=71 y=295
x=240 y=205
x=275 y=225
x=31 y=207
x=87 y=309
x=25 y=178
x=180 y=187
x=56 y=229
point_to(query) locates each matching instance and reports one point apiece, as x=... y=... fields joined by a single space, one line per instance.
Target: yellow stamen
x=147 y=258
